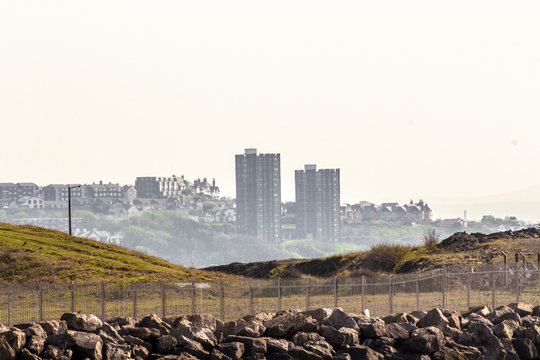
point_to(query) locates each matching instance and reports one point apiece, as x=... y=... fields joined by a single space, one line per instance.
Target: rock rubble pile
x=508 y=332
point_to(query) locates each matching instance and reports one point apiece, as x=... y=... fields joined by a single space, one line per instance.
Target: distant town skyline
x=411 y=100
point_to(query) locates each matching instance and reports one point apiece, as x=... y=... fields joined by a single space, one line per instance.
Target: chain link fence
x=455 y=288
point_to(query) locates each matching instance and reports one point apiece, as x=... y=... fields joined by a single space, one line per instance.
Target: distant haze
x=411 y=99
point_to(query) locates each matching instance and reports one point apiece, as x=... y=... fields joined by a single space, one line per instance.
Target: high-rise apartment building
x=258 y=195
x=317 y=203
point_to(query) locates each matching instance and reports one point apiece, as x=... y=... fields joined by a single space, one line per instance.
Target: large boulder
x=339 y=319
x=203 y=321
x=154 y=322
x=321 y=348
x=201 y=335
x=372 y=328
x=233 y=349
x=525 y=349
x=361 y=352
x=426 y=340
x=85 y=345
x=435 y=318
x=320 y=314
x=164 y=344
x=186 y=345
x=143 y=333
x=6 y=352
x=251 y=345
x=15 y=338
x=301 y=338
x=523 y=309
x=35 y=338
x=54 y=327
x=280 y=346
x=288 y=324
x=82 y=322
x=109 y=334
x=114 y=351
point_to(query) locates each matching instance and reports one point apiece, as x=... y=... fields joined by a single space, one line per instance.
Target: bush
x=431 y=239
x=384 y=257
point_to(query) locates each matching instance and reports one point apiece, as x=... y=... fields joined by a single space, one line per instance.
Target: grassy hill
x=457 y=250
x=31 y=254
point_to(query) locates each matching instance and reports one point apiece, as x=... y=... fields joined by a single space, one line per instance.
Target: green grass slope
x=31 y=254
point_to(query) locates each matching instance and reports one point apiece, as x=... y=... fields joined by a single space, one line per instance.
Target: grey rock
x=251 y=345
x=339 y=319
x=27 y=355
x=82 y=322
x=218 y=355
x=164 y=344
x=523 y=309
x=201 y=335
x=418 y=314
x=154 y=322
x=435 y=318
x=301 y=338
x=320 y=314
x=525 y=349
x=299 y=353
x=361 y=352
x=54 y=327
x=109 y=334
x=35 y=338
x=6 y=352
x=143 y=333
x=321 y=348
x=114 y=351
x=426 y=340
x=288 y=324
x=507 y=316
x=191 y=347
x=374 y=329
x=15 y=338
x=532 y=333
x=203 y=321
x=276 y=345
x=85 y=345
x=234 y=349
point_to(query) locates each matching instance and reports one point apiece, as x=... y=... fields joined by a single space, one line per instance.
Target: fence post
x=307 y=293
x=279 y=294
x=40 y=289
x=418 y=290
x=72 y=297
x=469 y=275
x=390 y=300
x=493 y=288
x=517 y=284
x=102 y=301
x=538 y=261
x=444 y=288
x=221 y=301
x=335 y=291
x=193 y=308
x=250 y=298
x=9 y=305
x=134 y=294
x=163 y=300
x=363 y=293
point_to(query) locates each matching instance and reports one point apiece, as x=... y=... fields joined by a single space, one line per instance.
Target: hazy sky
x=409 y=98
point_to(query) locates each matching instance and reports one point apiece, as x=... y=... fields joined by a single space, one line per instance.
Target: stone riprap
x=508 y=332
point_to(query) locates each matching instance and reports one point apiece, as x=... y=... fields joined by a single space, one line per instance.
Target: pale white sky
x=409 y=98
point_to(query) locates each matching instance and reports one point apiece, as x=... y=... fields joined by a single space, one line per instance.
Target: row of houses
x=393 y=212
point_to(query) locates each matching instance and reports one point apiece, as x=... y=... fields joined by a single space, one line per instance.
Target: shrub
x=431 y=239
x=384 y=257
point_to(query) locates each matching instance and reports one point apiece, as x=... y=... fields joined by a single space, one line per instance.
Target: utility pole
x=69 y=204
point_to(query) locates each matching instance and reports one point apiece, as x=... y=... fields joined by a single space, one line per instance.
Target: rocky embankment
x=508 y=332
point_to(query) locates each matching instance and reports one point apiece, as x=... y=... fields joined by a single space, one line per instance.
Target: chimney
x=214 y=182
x=100 y=182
